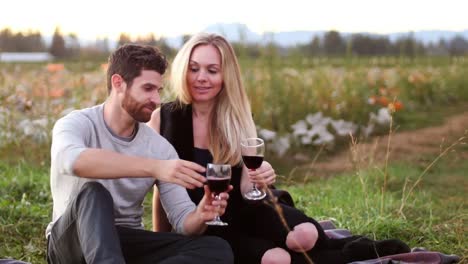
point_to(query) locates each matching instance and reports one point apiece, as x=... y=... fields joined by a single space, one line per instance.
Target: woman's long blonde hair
x=231 y=119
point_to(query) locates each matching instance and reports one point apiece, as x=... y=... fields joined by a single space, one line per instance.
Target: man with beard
x=104 y=160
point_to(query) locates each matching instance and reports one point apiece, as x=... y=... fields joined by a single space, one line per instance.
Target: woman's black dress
x=256 y=227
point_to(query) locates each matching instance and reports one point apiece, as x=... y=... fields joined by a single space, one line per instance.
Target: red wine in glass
x=252 y=162
x=218 y=176
x=218 y=185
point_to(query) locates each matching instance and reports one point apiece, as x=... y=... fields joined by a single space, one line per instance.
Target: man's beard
x=136 y=109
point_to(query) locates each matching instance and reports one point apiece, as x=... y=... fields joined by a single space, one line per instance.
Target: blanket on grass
x=417 y=256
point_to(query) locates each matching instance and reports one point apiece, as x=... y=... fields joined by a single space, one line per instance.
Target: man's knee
x=94 y=190
x=94 y=195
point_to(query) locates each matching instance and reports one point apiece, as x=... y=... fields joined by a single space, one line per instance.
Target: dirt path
x=408 y=145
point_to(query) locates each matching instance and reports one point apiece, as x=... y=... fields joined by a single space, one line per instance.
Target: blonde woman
x=206 y=123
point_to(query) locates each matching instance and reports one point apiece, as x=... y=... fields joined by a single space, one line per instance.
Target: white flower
x=317 y=135
x=42 y=122
x=316 y=131
x=36 y=128
x=343 y=128
x=383 y=117
x=26 y=126
x=318 y=119
x=324 y=122
x=314 y=119
x=325 y=137
x=306 y=140
x=367 y=130
x=281 y=145
x=321 y=134
x=299 y=128
x=266 y=134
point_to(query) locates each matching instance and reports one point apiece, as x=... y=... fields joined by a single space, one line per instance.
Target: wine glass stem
x=217 y=198
x=254 y=186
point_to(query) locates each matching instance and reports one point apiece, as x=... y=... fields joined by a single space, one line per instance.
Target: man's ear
x=118 y=83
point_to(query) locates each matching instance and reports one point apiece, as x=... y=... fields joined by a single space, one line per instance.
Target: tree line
x=332 y=43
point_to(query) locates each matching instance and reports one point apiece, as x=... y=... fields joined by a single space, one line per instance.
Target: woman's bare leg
x=276 y=256
x=302 y=238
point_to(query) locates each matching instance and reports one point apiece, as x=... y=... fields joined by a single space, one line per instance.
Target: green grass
x=25 y=211
x=410 y=120
x=434 y=216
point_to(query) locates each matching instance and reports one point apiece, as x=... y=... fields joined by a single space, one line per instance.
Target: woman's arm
x=160 y=222
x=155 y=121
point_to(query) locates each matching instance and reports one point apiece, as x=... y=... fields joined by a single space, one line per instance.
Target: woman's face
x=204 y=76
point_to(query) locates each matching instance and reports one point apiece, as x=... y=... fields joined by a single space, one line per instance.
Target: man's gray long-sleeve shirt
x=85 y=129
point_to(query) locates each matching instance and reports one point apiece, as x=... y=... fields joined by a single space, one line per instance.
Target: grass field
x=368 y=201
x=433 y=216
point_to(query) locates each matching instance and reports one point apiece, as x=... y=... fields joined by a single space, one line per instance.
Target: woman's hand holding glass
x=264 y=176
x=252 y=150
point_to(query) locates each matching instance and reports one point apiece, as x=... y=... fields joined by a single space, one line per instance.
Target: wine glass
x=252 y=150
x=218 y=177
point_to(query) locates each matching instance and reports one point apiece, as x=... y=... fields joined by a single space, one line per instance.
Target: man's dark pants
x=86 y=233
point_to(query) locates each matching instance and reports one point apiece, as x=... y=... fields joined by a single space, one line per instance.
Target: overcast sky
x=95 y=18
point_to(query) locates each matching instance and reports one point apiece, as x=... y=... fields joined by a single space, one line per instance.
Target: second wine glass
x=218 y=176
x=252 y=150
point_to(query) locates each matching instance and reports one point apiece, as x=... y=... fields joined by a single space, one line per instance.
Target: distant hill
x=427 y=36
x=236 y=32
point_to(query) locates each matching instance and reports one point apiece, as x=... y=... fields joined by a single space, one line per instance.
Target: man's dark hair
x=130 y=59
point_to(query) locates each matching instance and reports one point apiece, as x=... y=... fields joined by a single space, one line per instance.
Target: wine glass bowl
x=252 y=150
x=218 y=178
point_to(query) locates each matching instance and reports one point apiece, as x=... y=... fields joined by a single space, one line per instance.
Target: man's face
x=142 y=98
